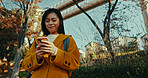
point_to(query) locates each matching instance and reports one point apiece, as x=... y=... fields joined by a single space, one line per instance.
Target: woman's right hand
x=39 y=53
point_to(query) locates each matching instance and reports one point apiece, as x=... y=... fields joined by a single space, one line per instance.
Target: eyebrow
x=48 y=18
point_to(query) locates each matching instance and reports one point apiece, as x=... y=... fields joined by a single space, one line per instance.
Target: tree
x=105 y=34
x=140 y=3
x=9 y=28
x=128 y=20
x=34 y=26
x=25 y=7
x=143 y=5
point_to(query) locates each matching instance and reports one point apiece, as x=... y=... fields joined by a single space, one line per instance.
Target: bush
x=124 y=67
x=23 y=74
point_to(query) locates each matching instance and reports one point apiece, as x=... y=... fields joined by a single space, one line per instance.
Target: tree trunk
x=16 y=63
x=109 y=49
x=105 y=35
x=8 y=68
x=19 y=54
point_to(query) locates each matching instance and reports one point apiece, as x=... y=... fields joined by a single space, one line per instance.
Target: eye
x=53 y=20
x=46 y=20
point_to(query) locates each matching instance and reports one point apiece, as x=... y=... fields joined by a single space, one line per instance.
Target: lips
x=51 y=27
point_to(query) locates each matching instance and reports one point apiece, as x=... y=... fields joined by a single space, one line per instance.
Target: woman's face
x=52 y=23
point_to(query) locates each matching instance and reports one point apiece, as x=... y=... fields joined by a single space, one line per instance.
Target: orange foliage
x=34 y=18
x=30 y=3
x=10 y=19
x=17 y=0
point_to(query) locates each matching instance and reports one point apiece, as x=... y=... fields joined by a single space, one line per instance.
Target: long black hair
x=58 y=13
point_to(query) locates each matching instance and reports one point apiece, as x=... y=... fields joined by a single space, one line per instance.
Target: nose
x=50 y=22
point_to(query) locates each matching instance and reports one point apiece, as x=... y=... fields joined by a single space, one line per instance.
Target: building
x=125 y=44
x=144 y=39
x=82 y=56
x=144 y=8
x=93 y=50
x=95 y=47
x=144 y=5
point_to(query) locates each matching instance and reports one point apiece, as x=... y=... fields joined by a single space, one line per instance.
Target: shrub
x=23 y=74
x=134 y=67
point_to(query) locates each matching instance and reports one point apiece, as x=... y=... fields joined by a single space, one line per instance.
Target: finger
x=40 y=56
x=41 y=44
x=48 y=51
x=45 y=45
x=39 y=52
x=45 y=41
x=38 y=47
x=45 y=48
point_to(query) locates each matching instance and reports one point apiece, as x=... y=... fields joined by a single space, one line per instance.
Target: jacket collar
x=60 y=38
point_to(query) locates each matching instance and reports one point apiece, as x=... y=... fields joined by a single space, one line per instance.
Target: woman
x=48 y=59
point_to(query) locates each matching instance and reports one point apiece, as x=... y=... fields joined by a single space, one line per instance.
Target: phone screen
x=39 y=39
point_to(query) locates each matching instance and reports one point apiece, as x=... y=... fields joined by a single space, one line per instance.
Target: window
x=114 y=44
x=129 y=43
x=145 y=40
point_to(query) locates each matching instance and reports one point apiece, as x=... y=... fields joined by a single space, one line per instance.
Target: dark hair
x=58 y=13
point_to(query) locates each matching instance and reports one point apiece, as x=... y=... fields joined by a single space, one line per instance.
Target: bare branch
x=110 y=11
x=24 y=8
x=113 y=8
x=27 y=4
x=17 y=4
x=3 y=3
x=89 y=18
x=108 y=23
x=20 y=5
x=107 y=16
x=32 y=3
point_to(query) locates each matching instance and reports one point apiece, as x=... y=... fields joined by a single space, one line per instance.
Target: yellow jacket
x=53 y=66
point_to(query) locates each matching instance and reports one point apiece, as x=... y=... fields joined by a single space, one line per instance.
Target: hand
x=45 y=47
x=39 y=54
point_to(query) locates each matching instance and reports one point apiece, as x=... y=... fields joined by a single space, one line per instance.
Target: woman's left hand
x=47 y=47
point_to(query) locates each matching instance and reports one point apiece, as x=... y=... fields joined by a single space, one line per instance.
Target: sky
x=83 y=31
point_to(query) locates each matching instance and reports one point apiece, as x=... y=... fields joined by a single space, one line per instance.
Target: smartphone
x=39 y=39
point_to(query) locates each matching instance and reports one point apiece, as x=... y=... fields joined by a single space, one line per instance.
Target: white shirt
x=51 y=38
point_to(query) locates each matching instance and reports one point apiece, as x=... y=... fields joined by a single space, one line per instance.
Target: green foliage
x=92 y=55
x=132 y=46
x=23 y=74
x=136 y=67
